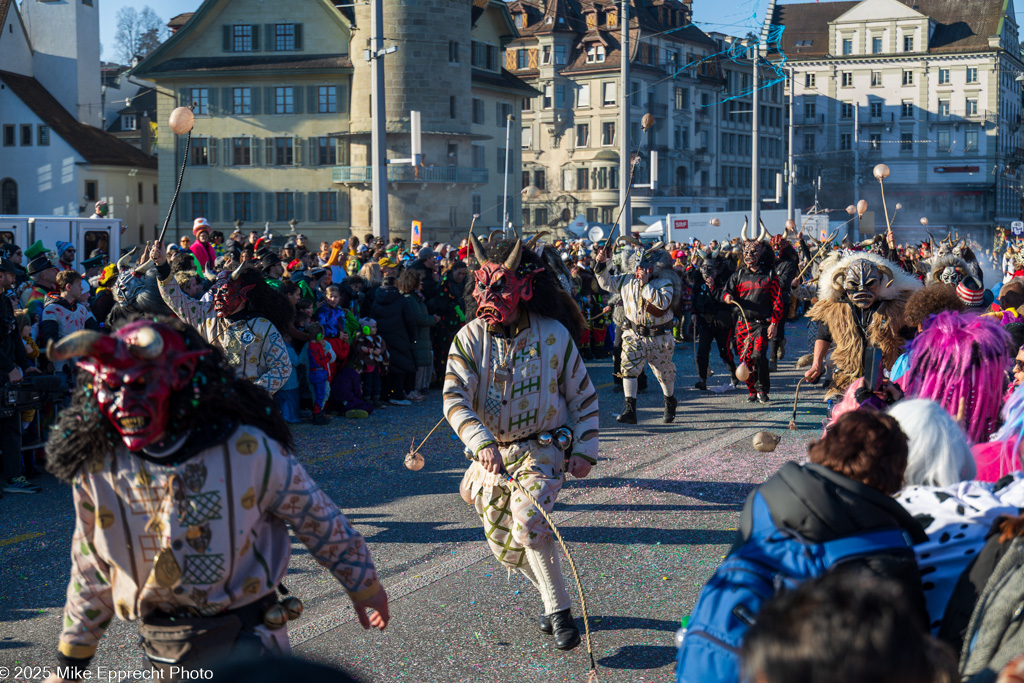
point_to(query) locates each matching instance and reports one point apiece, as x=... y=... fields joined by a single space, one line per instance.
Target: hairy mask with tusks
x=951 y=275
x=861 y=280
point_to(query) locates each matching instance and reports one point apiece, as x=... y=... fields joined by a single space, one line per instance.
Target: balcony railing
x=413 y=174
x=961 y=117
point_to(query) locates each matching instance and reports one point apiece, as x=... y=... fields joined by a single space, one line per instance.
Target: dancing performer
x=756 y=290
x=183 y=484
x=861 y=301
x=234 y=322
x=518 y=395
x=713 y=317
x=787 y=265
x=649 y=291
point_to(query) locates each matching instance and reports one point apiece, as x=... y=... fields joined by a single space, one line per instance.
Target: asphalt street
x=646 y=530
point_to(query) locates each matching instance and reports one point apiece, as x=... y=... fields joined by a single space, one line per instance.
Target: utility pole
x=755 y=180
x=791 y=171
x=504 y=195
x=625 y=158
x=378 y=114
x=856 y=170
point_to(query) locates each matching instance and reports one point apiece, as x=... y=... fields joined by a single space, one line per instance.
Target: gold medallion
x=165 y=569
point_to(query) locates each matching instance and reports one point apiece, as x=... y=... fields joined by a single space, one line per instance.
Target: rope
x=416 y=450
x=177 y=189
x=592 y=673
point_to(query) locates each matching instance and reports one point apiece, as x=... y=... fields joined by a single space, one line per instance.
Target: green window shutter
x=211 y=146
x=257 y=206
x=299 y=208
x=255 y=37
x=254 y=150
x=311 y=99
x=215 y=101
x=297 y=98
x=343 y=207
x=269 y=155
x=229 y=206
x=342 y=98
x=296 y=151
x=269 y=38
x=254 y=98
x=312 y=200
x=227 y=37
x=298 y=36
x=183 y=97
x=214 y=208
x=227 y=100
x=269 y=197
x=268 y=99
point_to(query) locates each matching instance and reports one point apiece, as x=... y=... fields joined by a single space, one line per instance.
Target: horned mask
x=499 y=287
x=862 y=281
x=755 y=251
x=229 y=294
x=135 y=371
x=130 y=281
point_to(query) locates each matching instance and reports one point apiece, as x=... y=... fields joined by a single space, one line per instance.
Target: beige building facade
x=282 y=126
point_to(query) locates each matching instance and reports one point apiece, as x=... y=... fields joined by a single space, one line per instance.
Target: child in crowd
x=376 y=362
x=287 y=397
x=321 y=358
x=331 y=315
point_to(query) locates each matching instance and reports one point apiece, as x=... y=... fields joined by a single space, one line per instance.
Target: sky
x=734 y=17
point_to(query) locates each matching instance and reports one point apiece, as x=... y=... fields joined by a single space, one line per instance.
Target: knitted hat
x=200 y=225
x=971 y=292
x=425 y=254
x=62 y=247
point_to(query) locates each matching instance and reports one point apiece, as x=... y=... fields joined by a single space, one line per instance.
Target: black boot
x=701 y=384
x=567 y=636
x=670 y=409
x=544 y=624
x=628 y=415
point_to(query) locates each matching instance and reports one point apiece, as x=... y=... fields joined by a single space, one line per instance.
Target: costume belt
x=561 y=438
x=250 y=615
x=645 y=331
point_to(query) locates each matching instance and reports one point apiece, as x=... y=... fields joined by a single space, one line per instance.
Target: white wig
x=938 y=451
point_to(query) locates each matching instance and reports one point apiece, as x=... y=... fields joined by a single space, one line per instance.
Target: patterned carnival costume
x=861 y=302
x=755 y=288
x=184 y=486
x=649 y=291
x=518 y=395
x=250 y=342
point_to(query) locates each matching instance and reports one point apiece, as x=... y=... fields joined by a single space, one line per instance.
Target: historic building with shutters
x=571 y=132
x=282 y=105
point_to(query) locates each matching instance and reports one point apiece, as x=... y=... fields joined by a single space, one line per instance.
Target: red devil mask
x=228 y=294
x=499 y=287
x=134 y=373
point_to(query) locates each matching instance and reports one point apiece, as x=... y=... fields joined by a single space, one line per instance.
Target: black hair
x=847 y=626
x=549 y=299
x=82 y=433
x=265 y=300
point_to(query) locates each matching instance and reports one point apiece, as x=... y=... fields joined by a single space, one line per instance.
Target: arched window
x=8 y=196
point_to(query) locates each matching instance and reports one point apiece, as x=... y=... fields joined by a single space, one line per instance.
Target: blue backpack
x=772 y=560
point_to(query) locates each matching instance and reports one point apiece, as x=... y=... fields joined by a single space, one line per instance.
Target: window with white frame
x=326 y=151
x=284 y=37
x=908 y=77
x=944 y=140
x=808 y=80
x=876 y=79
x=241 y=151
x=608 y=93
x=908 y=43
x=583 y=96
x=971 y=140
x=906 y=109
x=943 y=107
x=944 y=76
x=972 y=74
x=128 y=122
x=971 y=106
x=876 y=45
x=846 y=79
x=595 y=53
x=607 y=133
x=906 y=142
x=545 y=55
x=847 y=46
x=582 y=135
x=846 y=110
x=560 y=55
x=546 y=101
x=527 y=139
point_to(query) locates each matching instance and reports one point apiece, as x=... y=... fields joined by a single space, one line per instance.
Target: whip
x=181 y=121
x=592 y=672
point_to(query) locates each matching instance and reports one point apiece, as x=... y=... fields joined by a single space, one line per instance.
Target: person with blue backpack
x=835 y=513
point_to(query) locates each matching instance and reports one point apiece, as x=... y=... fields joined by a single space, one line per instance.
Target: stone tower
x=66 y=42
x=420 y=76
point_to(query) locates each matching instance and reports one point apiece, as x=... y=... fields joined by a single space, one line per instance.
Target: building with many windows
x=282 y=127
x=697 y=94
x=929 y=87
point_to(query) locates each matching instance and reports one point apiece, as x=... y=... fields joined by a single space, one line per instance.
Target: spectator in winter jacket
x=411 y=286
x=396 y=321
x=202 y=248
x=331 y=315
x=846 y=490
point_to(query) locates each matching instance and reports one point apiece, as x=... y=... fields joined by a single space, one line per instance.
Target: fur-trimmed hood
x=901 y=280
x=940 y=263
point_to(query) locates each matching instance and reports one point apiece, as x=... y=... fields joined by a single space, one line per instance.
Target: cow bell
x=414 y=461
x=275 y=617
x=292 y=607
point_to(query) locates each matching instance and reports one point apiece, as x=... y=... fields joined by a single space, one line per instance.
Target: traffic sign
x=1017 y=228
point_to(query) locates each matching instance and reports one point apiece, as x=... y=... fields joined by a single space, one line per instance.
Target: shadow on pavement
x=613 y=623
x=640 y=657
x=647 y=536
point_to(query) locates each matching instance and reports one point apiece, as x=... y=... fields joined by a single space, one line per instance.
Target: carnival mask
x=499 y=287
x=130 y=281
x=862 y=281
x=135 y=371
x=710 y=267
x=754 y=253
x=951 y=276
x=228 y=294
x=778 y=243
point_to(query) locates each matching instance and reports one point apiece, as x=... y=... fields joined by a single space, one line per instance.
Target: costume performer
x=183 y=484
x=232 y=323
x=514 y=378
x=649 y=294
x=861 y=300
x=755 y=287
x=787 y=265
x=713 y=317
